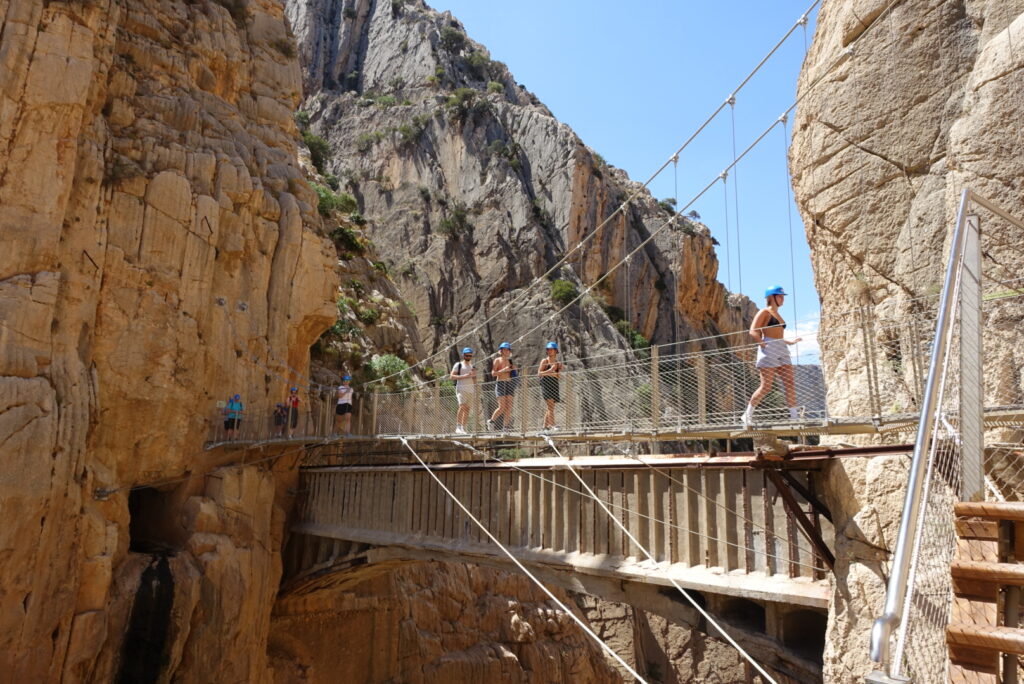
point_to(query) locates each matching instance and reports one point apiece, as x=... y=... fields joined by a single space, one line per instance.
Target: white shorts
x=773 y=354
x=465 y=396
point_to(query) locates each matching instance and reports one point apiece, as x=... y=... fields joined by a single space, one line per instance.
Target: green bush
x=384 y=365
x=365 y=141
x=456 y=223
x=357 y=218
x=409 y=133
x=386 y=101
x=478 y=63
x=368 y=316
x=319 y=150
x=614 y=313
x=331 y=202
x=302 y=120
x=668 y=204
x=346 y=239
x=332 y=181
x=452 y=39
x=635 y=339
x=381 y=267
x=495 y=87
x=563 y=292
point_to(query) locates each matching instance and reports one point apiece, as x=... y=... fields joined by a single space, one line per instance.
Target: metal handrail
x=896 y=591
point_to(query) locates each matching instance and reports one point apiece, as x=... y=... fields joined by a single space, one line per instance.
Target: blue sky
x=636 y=80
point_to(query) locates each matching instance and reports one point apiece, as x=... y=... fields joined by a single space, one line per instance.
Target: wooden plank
x=661 y=507
x=588 y=531
x=573 y=510
x=601 y=522
x=695 y=544
x=1004 y=574
x=711 y=521
x=991 y=510
x=515 y=508
x=535 y=514
x=996 y=639
x=747 y=497
x=558 y=496
x=732 y=488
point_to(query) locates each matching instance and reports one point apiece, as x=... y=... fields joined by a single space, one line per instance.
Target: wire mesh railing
x=969 y=447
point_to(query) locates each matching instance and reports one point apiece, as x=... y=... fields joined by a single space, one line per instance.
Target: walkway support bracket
x=798 y=514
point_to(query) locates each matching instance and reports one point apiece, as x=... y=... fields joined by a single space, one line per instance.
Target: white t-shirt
x=344 y=394
x=466 y=384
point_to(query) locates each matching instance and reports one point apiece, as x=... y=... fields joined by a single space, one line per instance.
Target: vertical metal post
x=972 y=436
x=702 y=390
x=655 y=390
x=374 y=430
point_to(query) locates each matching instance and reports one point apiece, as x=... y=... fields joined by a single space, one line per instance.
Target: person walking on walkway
x=768 y=328
x=464 y=375
x=343 y=411
x=234 y=409
x=504 y=388
x=291 y=403
x=550 y=370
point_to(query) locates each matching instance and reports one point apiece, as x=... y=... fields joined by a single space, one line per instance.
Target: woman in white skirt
x=768 y=328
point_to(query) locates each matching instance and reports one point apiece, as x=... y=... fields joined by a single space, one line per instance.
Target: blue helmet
x=237 y=396
x=504 y=345
x=467 y=350
x=777 y=290
x=552 y=345
x=346 y=377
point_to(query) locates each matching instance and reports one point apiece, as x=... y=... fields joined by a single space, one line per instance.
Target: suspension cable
x=736 y=197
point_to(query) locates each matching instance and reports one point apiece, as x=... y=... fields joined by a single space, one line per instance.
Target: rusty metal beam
x=801 y=518
x=821 y=508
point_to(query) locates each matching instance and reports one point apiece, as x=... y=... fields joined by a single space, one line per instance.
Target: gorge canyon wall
x=158 y=236
x=926 y=104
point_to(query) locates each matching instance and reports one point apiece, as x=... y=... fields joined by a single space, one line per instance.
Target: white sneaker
x=491 y=426
x=460 y=430
x=748 y=417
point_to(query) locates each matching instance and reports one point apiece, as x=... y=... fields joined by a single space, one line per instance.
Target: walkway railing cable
x=643 y=549
x=511 y=556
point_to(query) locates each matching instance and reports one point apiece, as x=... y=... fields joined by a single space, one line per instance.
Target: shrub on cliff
x=384 y=365
x=495 y=87
x=332 y=202
x=452 y=39
x=319 y=150
x=456 y=223
x=563 y=292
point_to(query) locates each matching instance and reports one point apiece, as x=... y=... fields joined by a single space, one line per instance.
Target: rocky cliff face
x=158 y=236
x=927 y=104
x=473 y=189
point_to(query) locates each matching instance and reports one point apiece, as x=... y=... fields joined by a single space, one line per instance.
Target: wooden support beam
x=793 y=508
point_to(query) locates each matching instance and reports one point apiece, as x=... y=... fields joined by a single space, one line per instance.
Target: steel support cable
x=700 y=609
x=789 y=222
x=736 y=198
x=652 y=518
x=607 y=649
x=728 y=248
x=566 y=258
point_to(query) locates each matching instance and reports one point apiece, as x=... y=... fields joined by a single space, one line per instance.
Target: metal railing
x=950 y=461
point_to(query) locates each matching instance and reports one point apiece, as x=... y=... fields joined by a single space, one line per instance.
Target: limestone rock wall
x=927 y=104
x=432 y=622
x=157 y=236
x=473 y=189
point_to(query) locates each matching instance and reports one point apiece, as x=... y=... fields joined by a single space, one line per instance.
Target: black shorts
x=232 y=423
x=294 y=412
x=549 y=388
x=505 y=388
x=342 y=409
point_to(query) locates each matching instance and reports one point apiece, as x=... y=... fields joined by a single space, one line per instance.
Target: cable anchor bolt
x=724 y=176
x=732 y=100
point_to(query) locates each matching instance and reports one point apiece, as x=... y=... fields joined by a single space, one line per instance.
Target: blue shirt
x=233 y=408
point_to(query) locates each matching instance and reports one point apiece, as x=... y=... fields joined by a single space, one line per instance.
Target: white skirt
x=773 y=354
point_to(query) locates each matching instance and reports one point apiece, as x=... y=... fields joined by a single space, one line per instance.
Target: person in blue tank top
x=234 y=409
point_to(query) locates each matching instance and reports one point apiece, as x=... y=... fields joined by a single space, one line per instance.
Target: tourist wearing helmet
x=502 y=369
x=234 y=409
x=343 y=411
x=550 y=371
x=768 y=328
x=464 y=375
